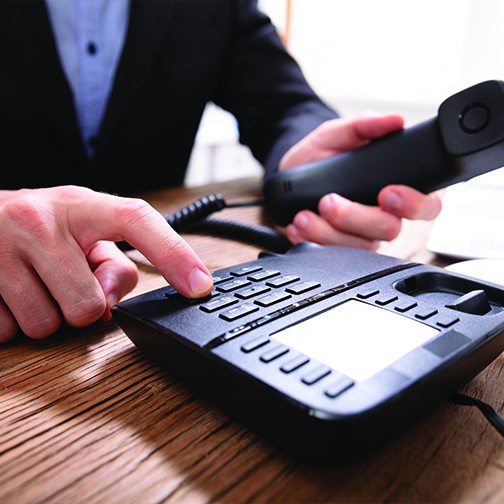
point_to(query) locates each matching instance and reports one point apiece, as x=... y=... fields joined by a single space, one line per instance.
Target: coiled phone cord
x=195 y=219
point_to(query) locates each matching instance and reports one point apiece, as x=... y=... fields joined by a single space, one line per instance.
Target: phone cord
x=491 y=414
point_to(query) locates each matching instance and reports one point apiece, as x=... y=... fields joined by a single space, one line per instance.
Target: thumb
x=115 y=272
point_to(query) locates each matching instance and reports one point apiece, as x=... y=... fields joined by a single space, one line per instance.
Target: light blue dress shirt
x=90 y=37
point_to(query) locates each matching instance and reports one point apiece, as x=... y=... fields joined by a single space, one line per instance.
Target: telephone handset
x=464 y=140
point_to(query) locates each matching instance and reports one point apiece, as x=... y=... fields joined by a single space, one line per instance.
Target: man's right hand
x=58 y=262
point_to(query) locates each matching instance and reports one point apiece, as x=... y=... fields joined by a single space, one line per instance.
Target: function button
x=294 y=364
x=368 y=293
x=316 y=375
x=274 y=353
x=339 y=386
x=447 y=321
x=238 y=311
x=221 y=278
x=263 y=275
x=270 y=299
x=283 y=280
x=245 y=270
x=218 y=304
x=233 y=285
x=404 y=307
x=302 y=287
x=254 y=344
x=426 y=314
x=386 y=300
x=251 y=292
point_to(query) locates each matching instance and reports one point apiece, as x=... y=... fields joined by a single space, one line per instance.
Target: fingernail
x=392 y=200
x=199 y=282
x=325 y=203
x=292 y=231
x=112 y=298
x=301 y=221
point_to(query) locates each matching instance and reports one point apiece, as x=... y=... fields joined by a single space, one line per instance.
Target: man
x=107 y=96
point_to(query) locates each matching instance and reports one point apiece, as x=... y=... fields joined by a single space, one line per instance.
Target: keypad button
x=386 y=300
x=342 y=384
x=238 y=311
x=254 y=344
x=447 y=321
x=368 y=293
x=221 y=278
x=316 y=375
x=283 y=280
x=245 y=270
x=270 y=299
x=252 y=291
x=233 y=285
x=197 y=301
x=263 y=275
x=274 y=353
x=424 y=315
x=294 y=364
x=404 y=307
x=302 y=287
x=218 y=304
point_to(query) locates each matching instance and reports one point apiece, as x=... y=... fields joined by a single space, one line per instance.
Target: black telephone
x=324 y=351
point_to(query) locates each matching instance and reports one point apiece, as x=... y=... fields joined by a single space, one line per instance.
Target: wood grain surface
x=86 y=418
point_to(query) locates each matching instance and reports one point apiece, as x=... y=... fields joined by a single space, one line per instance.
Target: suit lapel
x=148 y=25
x=27 y=33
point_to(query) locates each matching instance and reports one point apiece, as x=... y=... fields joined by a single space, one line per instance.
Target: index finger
x=113 y=218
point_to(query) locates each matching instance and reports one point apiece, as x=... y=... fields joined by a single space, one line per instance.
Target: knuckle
x=41 y=327
x=132 y=211
x=27 y=217
x=173 y=247
x=85 y=312
x=8 y=328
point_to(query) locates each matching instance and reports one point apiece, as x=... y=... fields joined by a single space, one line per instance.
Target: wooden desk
x=85 y=417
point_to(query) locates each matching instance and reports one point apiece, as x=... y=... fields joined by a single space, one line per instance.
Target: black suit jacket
x=178 y=55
